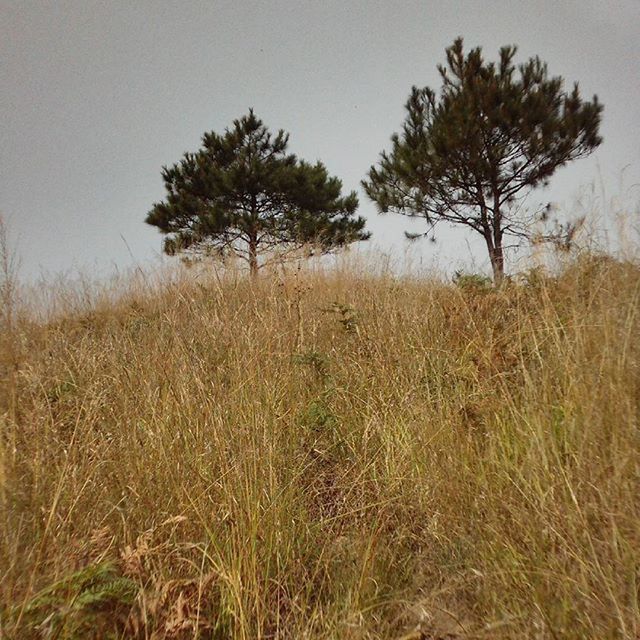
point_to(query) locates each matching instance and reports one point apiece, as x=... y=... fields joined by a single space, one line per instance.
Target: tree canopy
x=243 y=193
x=472 y=154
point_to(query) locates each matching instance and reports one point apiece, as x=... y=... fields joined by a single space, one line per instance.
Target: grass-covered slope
x=327 y=456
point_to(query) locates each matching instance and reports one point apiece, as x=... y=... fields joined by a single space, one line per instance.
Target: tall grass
x=327 y=454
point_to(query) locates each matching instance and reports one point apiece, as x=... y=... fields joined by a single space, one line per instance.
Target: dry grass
x=326 y=455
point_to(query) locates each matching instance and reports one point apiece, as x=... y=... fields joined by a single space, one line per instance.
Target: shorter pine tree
x=242 y=193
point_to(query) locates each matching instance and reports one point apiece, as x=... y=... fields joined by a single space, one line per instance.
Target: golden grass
x=326 y=455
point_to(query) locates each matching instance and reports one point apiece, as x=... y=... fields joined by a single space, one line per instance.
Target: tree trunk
x=253 y=256
x=496 y=255
x=497 y=263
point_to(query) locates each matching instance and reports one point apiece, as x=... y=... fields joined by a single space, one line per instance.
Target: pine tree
x=470 y=156
x=242 y=193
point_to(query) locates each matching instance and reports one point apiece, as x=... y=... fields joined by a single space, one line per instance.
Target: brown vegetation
x=326 y=455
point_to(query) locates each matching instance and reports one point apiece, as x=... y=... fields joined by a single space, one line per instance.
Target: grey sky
x=97 y=96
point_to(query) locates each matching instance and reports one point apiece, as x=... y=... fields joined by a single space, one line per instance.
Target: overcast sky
x=96 y=96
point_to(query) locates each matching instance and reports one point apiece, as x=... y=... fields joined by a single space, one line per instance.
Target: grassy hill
x=326 y=455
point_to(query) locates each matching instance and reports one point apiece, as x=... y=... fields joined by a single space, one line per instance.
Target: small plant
x=347 y=316
x=61 y=390
x=317 y=361
x=533 y=278
x=89 y=603
x=472 y=281
x=319 y=415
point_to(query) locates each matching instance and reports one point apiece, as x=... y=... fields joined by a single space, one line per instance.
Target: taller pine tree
x=469 y=156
